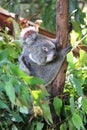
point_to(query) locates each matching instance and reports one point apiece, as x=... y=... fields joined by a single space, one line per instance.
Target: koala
x=39 y=52
x=41 y=56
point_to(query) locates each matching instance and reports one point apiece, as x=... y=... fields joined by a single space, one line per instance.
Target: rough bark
x=62 y=8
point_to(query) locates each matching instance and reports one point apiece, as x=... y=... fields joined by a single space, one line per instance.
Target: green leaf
x=57 y=102
x=12 y=52
x=1 y=86
x=83 y=57
x=77 y=83
x=0 y=72
x=17 y=85
x=4 y=61
x=10 y=91
x=24 y=110
x=3 y=54
x=84 y=104
x=33 y=80
x=73 y=5
x=44 y=90
x=39 y=95
x=39 y=126
x=63 y=126
x=4 y=106
x=14 y=127
x=17 y=72
x=46 y=112
x=24 y=97
x=77 y=121
x=17 y=118
x=72 y=104
x=71 y=126
x=28 y=79
x=35 y=94
x=16 y=29
x=70 y=60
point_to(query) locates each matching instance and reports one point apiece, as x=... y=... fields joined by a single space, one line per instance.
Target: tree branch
x=4 y=22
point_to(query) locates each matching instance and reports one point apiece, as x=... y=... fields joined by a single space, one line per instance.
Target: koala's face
x=40 y=48
x=42 y=51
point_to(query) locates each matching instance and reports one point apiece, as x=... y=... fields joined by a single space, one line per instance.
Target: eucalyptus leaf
x=28 y=79
x=47 y=113
x=77 y=83
x=33 y=80
x=71 y=126
x=24 y=97
x=24 y=110
x=83 y=57
x=84 y=104
x=1 y=86
x=10 y=91
x=16 y=29
x=72 y=104
x=77 y=121
x=70 y=60
x=3 y=105
x=57 y=102
x=63 y=126
x=17 y=118
x=39 y=126
x=14 y=127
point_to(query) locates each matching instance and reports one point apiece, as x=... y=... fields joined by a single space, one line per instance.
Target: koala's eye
x=45 y=48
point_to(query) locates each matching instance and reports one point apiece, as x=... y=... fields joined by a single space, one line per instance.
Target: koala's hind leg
x=22 y=65
x=27 y=64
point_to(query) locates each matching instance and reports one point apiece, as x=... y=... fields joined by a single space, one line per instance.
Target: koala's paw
x=67 y=49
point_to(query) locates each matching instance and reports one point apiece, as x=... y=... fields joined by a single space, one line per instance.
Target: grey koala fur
x=41 y=58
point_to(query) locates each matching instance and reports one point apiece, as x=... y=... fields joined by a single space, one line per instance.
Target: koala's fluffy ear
x=28 y=31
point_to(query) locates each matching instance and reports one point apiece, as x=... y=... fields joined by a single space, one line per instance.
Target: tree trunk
x=62 y=35
x=62 y=9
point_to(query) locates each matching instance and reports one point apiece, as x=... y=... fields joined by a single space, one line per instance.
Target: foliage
x=24 y=101
x=20 y=101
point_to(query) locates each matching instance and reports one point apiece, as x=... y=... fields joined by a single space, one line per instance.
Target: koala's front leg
x=26 y=62
x=66 y=50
